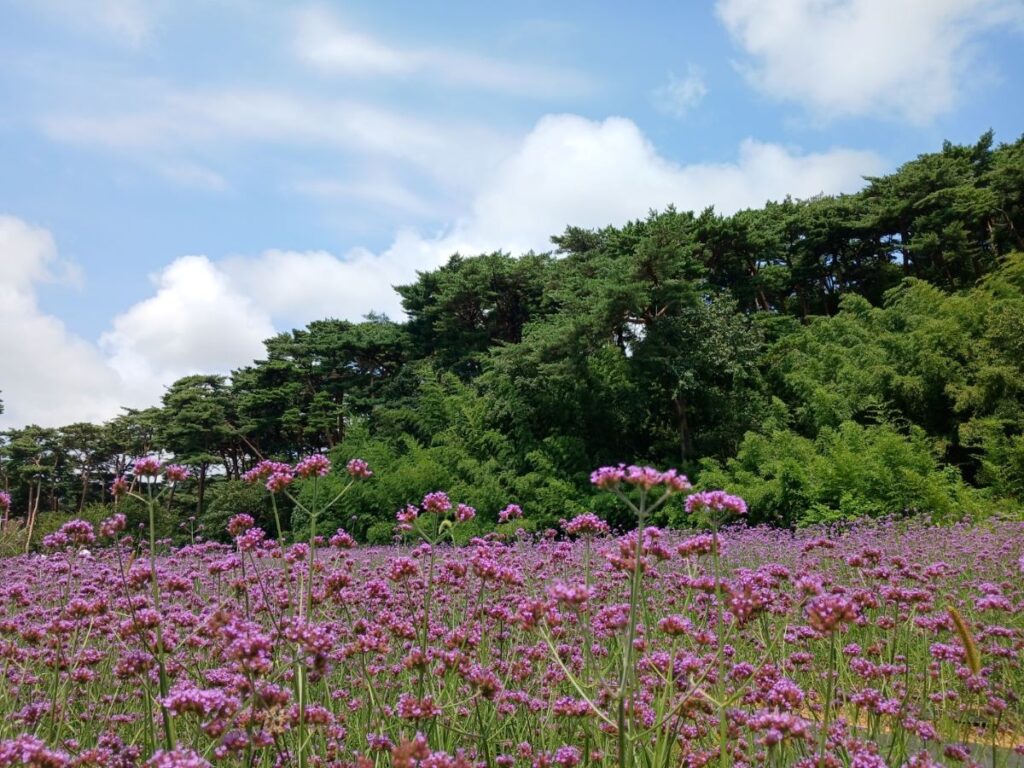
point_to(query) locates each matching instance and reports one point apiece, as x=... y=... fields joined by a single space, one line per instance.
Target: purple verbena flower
x=436 y=502
x=146 y=466
x=511 y=512
x=587 y=524
x=240 y=523
x=176 y=473
x=358 y=468
x=316 y=465
x=718 y=502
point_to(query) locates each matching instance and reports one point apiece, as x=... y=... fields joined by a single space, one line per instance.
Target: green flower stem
x=829 y=692
x=627 y=676
x=723 y=713
x=169 y=734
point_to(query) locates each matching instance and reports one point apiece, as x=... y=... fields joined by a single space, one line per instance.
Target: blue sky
x=182 y=179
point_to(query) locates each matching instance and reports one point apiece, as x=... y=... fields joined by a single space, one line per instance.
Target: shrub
x=846 y=473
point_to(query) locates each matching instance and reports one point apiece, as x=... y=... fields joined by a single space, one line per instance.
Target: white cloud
x=907 y=58
x=301 y=286
x=130 y=20
x=197 y=322
x=323 y=42
x=29 y=254
x=203 y=317
x=48 y=376
x=680 y=95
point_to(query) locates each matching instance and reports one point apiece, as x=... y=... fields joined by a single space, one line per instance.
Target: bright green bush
x=847 y=472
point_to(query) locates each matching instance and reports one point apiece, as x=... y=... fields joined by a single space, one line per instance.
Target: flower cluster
x=113 y=525
x=407 y=515
x=265 y=469
x=119 y=487
x=315 y=465
x=715 y=503
x=510 y=513
x=277 y=475
x=358 y=468
x=828 y=613
x=645 y=478
x=240 y=523
x=587 y=524
x=436 y=502
x=176 y=473
x=147 y=466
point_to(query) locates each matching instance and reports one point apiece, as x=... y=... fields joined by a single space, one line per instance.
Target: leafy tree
x=195 y=426
x=90 y=449
x=35 y=465
x=132 y=434
x=699 y=370
x=458 y=312
x=313 y=380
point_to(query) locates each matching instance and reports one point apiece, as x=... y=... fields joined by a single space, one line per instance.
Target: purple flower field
x=885 y=644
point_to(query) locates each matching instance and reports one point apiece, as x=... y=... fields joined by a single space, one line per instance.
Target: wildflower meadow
x=889 y=643
x=512 y=385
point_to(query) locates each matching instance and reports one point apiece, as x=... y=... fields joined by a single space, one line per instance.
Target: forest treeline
x=830 y=358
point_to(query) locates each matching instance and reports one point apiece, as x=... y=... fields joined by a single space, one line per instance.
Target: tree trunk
x=1013 y=229
x=33 y=510
x=685 y=438
x=85 y=491
x=201 y=491
x=341 y=420
x=229 y=464
x=762 y=300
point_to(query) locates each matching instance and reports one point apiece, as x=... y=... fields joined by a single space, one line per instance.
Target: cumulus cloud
x=48 y=376
x=299 y=286
x=326 y=44
x=681 y=94
x=196 y=322
x=908 y=58
x=211 y=315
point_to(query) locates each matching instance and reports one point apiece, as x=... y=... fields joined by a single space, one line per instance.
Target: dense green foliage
x=827 y=358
